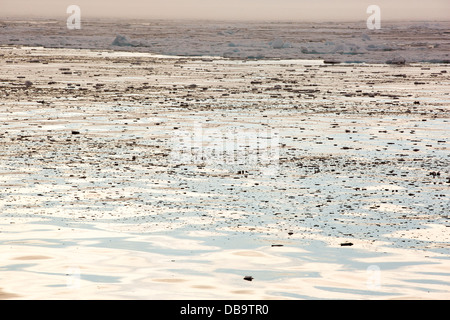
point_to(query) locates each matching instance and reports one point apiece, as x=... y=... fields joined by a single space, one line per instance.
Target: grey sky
x=233 y=9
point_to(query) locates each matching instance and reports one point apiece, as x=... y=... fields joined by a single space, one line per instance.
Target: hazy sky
x=233 y=9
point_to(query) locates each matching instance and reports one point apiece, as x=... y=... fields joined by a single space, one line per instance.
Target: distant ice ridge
x=338 y=42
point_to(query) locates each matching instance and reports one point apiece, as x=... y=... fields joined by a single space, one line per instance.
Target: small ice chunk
x=399 y=60
x=366 y=37
x=277 y=44
x=122 y=41
x=339 y=49
x=379 y=47
x=307 y=50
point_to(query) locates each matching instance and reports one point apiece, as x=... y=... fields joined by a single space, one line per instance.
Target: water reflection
x=142 y=266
